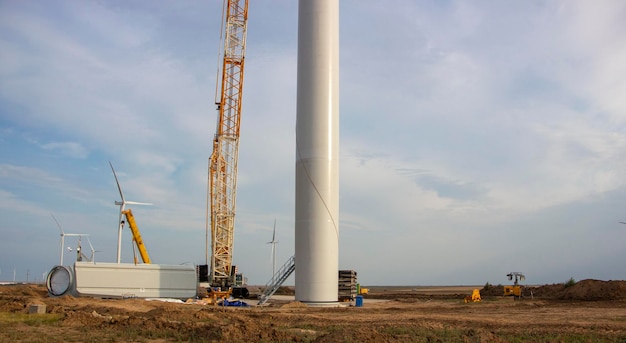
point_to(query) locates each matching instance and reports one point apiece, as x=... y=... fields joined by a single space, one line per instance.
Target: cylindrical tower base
x=317 y=153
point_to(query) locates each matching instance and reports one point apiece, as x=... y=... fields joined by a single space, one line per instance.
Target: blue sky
x=477 y=138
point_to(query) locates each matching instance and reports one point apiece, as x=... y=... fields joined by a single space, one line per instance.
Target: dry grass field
x=589 y=311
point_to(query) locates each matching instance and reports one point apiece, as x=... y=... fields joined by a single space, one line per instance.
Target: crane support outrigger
x=223 y=161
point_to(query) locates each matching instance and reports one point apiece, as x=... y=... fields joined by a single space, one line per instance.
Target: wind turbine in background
x=122 y=205
x=63 y=234
x=93 y=251
x=273 y=242
x=80 y=255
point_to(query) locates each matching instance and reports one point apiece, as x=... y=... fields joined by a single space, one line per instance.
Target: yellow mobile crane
x=131 y=223
x=143 y=252
x=223 y=161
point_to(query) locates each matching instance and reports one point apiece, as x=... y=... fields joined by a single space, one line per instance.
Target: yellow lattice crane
x=223 y=161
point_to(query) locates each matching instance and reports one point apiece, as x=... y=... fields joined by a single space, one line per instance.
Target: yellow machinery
x=136 y=237
x=475 y=297
x=223 y=161
x=516 y=290
x=215 y=297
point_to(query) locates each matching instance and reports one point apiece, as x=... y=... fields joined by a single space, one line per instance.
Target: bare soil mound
x=399 y=314
x=584 y=290
x=595 y=290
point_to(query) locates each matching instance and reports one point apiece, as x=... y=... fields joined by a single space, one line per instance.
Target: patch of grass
x=304 y=326
x=421 y=334
x=571 y=282
x=29 y=319
x=563 y=338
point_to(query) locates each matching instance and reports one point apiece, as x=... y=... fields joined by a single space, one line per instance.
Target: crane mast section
x=223 y=164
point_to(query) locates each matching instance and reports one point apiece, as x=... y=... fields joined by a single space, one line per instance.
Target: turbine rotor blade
x=90 y=245
x=118 y=183
x=138 y=203
x=58 y=225
x=274 y=234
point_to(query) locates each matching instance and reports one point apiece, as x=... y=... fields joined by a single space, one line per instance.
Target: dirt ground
x=588 y=311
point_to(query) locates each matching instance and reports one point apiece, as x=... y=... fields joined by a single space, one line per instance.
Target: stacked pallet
x=347 y=285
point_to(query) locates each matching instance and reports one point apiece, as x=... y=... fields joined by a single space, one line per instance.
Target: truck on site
x=515 y=290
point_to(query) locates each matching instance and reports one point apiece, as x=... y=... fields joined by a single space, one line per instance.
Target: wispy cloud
x=71 y=149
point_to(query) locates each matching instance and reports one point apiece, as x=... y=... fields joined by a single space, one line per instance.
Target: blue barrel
x=359 y=301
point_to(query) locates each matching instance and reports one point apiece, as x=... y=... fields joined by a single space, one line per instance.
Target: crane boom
x=137 y=236
x=223 y=161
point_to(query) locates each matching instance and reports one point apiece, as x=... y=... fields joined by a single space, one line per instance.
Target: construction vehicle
x=475 y=297
x=222 y=184
x=143 y=252
x=516 y=289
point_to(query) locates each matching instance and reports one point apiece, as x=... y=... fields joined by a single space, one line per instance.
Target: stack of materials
x=347 y=285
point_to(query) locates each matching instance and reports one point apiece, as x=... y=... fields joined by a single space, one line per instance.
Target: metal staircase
x=277 y=280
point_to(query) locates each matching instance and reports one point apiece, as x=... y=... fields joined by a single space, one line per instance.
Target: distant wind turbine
x=63 y=234
x=273 y=242
x=93 y=252
x=80 y=254
x=122 y=205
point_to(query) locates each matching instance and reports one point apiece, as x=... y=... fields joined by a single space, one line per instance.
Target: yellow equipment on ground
x=216 y=296
x=475 y=297
x=516 y=289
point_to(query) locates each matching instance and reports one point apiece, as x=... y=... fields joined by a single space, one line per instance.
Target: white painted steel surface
x=317 y=152
x=113 y=280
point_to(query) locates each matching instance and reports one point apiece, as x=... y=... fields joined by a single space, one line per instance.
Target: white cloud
x=71 y=149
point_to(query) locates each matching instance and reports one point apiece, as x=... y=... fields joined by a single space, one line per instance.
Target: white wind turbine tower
x=63 y=234
x=273 y=242
x=122 y=205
